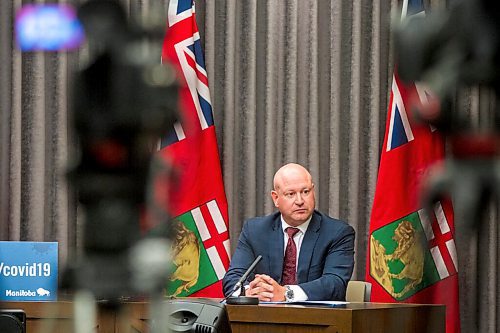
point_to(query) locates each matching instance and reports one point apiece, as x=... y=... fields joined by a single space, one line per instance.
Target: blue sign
x=28 y=271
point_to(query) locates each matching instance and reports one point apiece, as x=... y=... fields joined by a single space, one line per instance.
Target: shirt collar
x=302 y=227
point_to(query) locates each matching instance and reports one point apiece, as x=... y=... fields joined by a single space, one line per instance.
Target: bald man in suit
x=321 y=260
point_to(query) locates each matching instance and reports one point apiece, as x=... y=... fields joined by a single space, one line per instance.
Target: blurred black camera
x=447 y=51
x=124 y=100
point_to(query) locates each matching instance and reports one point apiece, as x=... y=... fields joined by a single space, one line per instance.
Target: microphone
x=244 y=300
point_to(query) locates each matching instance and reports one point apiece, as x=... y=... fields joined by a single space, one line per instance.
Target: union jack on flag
x=190 y=57
x=399 y=131
x=196 y=198
x=399 y=127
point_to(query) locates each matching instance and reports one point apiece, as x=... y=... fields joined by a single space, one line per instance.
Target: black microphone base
x=242 y=300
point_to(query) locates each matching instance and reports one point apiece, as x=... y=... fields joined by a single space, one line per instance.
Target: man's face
x=294 y=196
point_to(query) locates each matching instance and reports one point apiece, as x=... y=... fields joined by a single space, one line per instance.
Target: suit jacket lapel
x=276 y=250
x=307 y=247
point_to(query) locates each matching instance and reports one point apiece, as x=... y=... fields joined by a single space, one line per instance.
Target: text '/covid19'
x=34 y=269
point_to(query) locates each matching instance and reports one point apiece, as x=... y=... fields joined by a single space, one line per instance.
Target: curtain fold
x=291 y=81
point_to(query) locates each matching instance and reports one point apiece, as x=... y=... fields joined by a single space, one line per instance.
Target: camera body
x=447 y=51
x=124 y=100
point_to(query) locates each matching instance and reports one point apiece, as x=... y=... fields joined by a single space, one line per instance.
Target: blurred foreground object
x=447 y=51
x=48 y=27
x=123 y=100
x=13 y=321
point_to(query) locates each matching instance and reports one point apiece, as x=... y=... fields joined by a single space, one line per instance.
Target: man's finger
x=251 y=292
x=268 y=279
x=265 y=286
x=253 y=283
x=257 y=279
x=265 y=295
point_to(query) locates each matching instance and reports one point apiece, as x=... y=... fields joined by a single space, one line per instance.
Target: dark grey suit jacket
x=326 y=257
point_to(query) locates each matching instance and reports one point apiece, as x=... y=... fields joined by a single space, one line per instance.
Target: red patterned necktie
x=289 y=263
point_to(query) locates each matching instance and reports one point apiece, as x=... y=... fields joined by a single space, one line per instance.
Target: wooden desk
x=353 y=318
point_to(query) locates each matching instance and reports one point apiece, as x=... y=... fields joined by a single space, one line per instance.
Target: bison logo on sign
x=42 y=292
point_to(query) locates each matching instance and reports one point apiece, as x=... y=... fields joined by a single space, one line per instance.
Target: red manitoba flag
x=197 y=198
x=412 y=258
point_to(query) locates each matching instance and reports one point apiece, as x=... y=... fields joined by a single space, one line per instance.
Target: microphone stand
x=244 y=300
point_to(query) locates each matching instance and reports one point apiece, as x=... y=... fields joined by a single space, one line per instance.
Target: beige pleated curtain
x=291 y=81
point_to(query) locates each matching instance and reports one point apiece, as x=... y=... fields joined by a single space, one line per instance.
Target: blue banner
x=28 y=271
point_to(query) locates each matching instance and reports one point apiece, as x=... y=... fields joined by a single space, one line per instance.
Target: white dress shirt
x=298 y=292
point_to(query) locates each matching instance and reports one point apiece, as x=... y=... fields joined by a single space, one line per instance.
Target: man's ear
x=274 y=195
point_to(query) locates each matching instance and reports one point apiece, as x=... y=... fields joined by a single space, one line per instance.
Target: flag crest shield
x=400 y=259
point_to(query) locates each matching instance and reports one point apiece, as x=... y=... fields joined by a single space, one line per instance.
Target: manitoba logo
x=42 y=292
x=411 y=254
x=200 y=250
x=19 y=293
